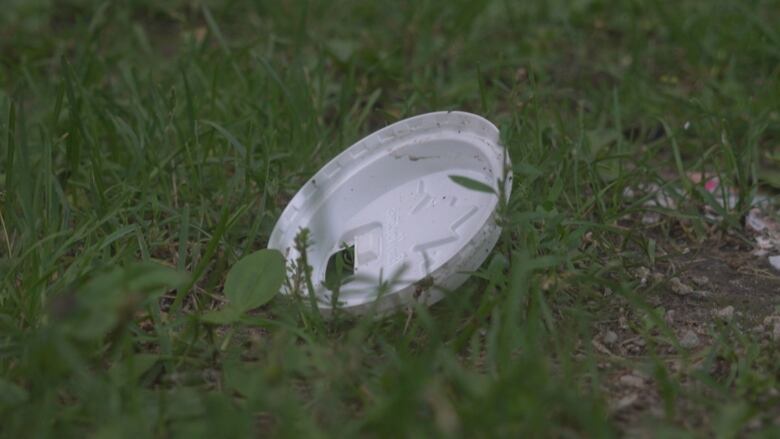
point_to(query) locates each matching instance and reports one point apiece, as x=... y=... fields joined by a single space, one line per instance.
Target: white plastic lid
x=389 y=201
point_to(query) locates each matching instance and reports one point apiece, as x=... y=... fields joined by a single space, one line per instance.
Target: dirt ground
x=711 y=292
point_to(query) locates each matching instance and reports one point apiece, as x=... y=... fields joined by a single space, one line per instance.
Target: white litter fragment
x=764 y=243
x=763 y=224
x=755 y=221
x=763 y=246
x=775 y=262
x=413 y=206
x=668 y=195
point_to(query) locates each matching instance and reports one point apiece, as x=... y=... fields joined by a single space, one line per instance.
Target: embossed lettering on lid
x=389 y=208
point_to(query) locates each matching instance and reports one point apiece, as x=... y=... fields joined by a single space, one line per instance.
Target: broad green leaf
x=255 y=279
x=470 y=183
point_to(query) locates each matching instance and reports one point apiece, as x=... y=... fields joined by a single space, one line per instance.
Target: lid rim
x=476 y=130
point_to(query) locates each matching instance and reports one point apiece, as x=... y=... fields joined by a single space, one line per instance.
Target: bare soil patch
x=710 y=292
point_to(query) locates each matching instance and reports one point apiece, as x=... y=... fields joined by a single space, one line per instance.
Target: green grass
x=133 y=132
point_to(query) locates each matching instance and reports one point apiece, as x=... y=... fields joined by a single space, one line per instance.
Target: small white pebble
x=771 y=320
x=759 y=253
x=700 y=280
x=633 y=381
x=610 y=337
x=689 y=339
x=680 y=288
x=763 y=243
x=650 y=218
x=641 y=273
x=625 y=402
x=726 y=313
